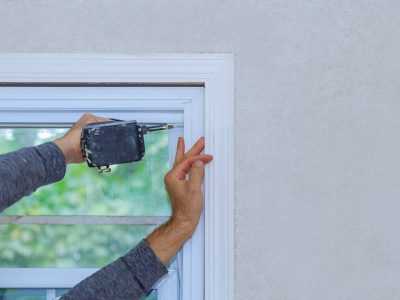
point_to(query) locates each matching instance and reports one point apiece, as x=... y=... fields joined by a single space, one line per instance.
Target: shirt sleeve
x=129 y=277
x=25 y=170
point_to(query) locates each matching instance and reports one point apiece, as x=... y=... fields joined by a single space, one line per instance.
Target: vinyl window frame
x=212 y=71
x=59 y=107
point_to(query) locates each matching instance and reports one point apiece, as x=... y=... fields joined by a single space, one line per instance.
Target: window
x=86 y=192
x=196 y=97
x=88 y=219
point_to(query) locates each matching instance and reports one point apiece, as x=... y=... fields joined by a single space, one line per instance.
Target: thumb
x=196 y=175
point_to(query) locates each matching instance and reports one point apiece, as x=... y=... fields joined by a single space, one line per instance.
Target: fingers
x=184 y=166
x=196 y=175
x=89 y=118
x=180 y=151
x=195 y=150
x=197 y=147
x=101 y=119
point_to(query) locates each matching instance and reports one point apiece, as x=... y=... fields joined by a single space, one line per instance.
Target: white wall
x=317 y=125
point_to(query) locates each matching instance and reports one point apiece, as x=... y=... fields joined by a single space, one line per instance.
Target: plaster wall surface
x=317 y=186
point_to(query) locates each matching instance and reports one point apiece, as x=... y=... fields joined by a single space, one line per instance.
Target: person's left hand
x=186 y=199
x=185 y=193
x=70 y=142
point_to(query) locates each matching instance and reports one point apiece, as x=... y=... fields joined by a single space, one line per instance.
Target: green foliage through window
x=135 y=189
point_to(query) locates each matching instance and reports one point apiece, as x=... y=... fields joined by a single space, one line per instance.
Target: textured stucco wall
x=317 y=125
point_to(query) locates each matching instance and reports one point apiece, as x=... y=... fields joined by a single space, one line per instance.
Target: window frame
x=30 y=106
x=215 y=73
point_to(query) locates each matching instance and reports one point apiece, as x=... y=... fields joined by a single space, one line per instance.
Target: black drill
x=115 y=142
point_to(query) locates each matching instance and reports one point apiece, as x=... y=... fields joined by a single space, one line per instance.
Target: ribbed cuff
x=144 y=265
x=53 y=160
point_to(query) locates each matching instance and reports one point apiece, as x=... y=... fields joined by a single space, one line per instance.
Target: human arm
x=24 y=171
x=133 y=275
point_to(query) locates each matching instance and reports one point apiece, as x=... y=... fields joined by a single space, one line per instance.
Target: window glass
x=60 y=292
x=151 y=296
x=40 y=294
x=135 y=189
x=67 y=246
x=22 y=294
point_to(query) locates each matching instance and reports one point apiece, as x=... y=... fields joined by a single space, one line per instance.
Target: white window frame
x=215 y=73
x=61 y=106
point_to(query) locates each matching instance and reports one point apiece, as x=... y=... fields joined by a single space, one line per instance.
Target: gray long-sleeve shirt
x=129 y=277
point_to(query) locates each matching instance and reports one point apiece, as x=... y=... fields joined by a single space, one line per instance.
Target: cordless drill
x=115 y=142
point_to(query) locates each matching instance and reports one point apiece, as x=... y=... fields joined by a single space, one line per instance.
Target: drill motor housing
x=113 y=142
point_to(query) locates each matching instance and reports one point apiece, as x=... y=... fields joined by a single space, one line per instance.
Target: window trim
x=215 y=72
x=173 y=105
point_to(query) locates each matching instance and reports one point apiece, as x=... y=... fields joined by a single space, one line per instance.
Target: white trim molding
x=215 y=73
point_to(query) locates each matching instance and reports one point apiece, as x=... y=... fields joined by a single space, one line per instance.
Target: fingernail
x=198 y=163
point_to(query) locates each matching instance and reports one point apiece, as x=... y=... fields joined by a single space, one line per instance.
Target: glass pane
x=135 y=189
x=22 y=294
x=60 y=292
x=40 y=294
x=69 y=246
x=152 y=296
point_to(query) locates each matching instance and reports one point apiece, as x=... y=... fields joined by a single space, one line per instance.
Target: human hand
x=70 y=142
x=185 y=193
x=186 y=201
